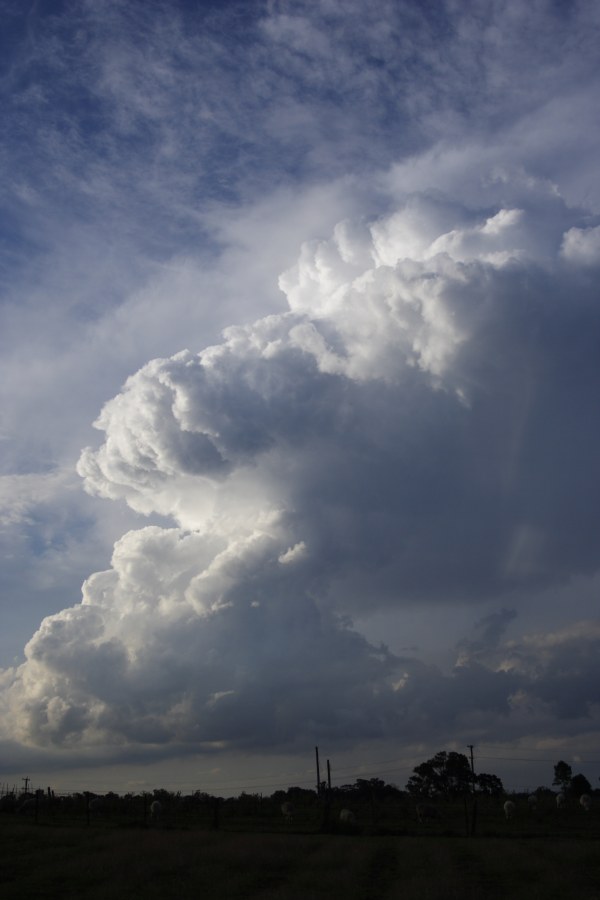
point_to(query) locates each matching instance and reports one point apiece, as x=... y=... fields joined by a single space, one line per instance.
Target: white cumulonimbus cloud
x=419 y=425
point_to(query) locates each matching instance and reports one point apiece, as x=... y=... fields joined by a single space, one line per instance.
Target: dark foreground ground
x=52 y=861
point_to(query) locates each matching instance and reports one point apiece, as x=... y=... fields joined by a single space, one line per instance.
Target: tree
x=562 y=775
x=445 y=773
x=490 y=785
x=580 y=785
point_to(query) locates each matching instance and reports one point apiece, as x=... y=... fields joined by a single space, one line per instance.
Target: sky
x=299 y=373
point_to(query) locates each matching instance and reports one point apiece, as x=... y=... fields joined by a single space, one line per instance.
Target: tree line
x=444 y=775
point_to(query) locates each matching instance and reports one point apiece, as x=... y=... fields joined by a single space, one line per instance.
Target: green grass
x=53 y=861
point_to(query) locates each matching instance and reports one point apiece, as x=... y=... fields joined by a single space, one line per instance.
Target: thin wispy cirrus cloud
x=299 y=387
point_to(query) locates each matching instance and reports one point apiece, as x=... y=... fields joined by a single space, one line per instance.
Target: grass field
x=54 y=861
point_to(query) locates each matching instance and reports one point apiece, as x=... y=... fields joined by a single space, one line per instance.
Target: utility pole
x=470 y=748
x=328 y=776
x=318 y=772
x=474 y=812
x=27 y=779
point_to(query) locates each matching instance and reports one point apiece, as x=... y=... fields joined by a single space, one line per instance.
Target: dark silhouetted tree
x=580 y=785
x=445 y=773
x=562 y=775
x=490 y=785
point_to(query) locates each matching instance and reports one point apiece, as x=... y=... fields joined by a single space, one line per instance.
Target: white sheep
x=155 y=810
x=96 y=805
x=560 y=800
x=585 y=802
x=347 y=817
x=509 y=809
x=287 y=810
x=28 y=806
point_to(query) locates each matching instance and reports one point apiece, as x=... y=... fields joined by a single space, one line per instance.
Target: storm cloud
x=422 y=418
x=418 y=426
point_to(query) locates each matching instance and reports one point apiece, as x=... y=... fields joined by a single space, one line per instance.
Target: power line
x=285 y=779
x=522 y=749
x=583 y=762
